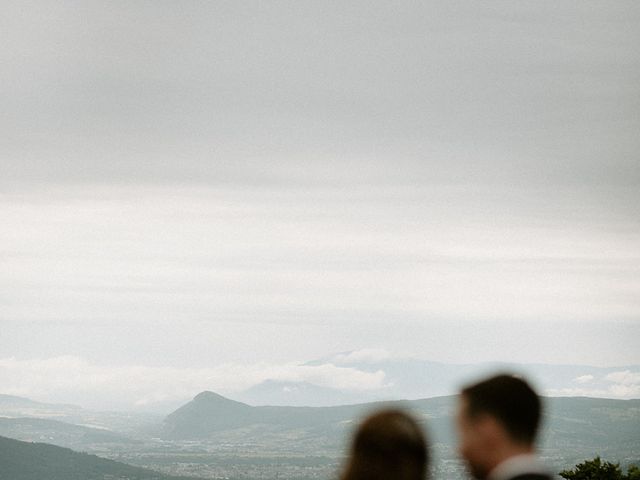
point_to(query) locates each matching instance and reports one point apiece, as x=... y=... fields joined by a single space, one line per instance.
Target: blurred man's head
x=497 y=418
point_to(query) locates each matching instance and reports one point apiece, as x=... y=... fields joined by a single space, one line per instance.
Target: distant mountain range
x=209 y=414
x=39 y=461
x=304 y=428
x=215 y=435
x=412 y=378
x=12 y=404
x=63 y=434
x=300 y=394
x=330 y=381
x=24 y=408
x=573 y=426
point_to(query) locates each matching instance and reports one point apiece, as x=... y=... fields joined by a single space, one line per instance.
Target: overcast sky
x=195 y=184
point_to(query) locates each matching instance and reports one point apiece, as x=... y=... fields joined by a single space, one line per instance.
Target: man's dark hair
x=511 y=401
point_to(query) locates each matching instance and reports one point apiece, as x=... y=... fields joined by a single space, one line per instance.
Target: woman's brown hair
x=389 y=444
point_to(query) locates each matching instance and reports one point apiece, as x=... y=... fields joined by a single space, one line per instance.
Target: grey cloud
x=290 y=92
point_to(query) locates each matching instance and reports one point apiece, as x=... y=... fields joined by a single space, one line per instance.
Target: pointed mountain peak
x=213 y=398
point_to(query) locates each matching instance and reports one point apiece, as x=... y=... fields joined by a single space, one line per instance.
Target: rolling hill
x=209 y=413
x=574 y=426
x=62 y=434
x=39 y=461
x=22 y=408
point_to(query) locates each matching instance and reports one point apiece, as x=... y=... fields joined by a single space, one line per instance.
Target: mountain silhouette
x=583 y=422
x=209 y=413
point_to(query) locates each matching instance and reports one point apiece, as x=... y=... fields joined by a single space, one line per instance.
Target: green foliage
x=633 y=473
x=597 y=469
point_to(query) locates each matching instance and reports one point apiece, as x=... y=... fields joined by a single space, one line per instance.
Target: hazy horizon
x=359 y=376
x=220 y=192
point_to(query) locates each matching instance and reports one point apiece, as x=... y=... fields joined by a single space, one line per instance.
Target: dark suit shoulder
x=532 y=476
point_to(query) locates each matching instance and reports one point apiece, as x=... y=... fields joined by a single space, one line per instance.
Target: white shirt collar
x=518 y=465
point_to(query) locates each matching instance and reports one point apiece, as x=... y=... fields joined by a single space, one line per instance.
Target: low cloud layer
x=365 y=355
x=72 y=379
x=61 y=379
x=622 y=384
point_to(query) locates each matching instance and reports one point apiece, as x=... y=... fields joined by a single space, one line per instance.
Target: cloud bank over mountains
x=77 y=380
x=619 y=384
x=359 y=376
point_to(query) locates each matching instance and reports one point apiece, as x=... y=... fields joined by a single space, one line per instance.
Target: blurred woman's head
x=388 y=445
